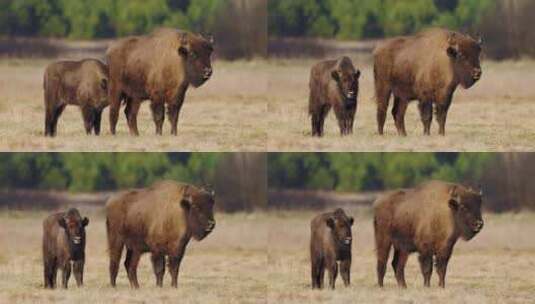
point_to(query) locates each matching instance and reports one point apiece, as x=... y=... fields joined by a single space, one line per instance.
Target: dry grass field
x=226 y=114
x=226 y=267
x=495 y=115
x=495 y=267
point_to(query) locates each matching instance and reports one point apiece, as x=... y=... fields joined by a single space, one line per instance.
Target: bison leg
x=398 y=112
x=174 y=267
x=442 y=113
x=383 y=244
x=426 y=115
x=398 y=263
x=51 y=119
x=332 y=267
x=88 y=116
x=442 y=265
x=174 y=107
x=115 y=248
x=131 y=262
x=96 y=121
x=66 y=274
x=158 y=115
x=383 y=93
x=49 y=272
x=158 y=265
x=318 y=120
x=317 y=272
x=78 y=269
x=426 y=266
x=345 y=271
x=173 y=111
x=132 y=108
x=114 y=97
x=342 y=117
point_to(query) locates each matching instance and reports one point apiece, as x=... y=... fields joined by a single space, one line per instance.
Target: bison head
x=199 y=206
x=466 y=208
x=465 y=54
x=196 y=51
x=347 y=80
x=340 y=225
x=74 y=226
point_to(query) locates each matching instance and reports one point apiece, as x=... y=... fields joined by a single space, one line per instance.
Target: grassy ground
x=223 y=268
x=226 y=114
x=495 y=267
x=235 y=265
x=495 y=115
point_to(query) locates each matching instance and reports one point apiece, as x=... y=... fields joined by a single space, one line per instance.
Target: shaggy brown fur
x=83 y=83
x=159 y=67
x=333 y=84
x=427 y=67
x=330 y=242
x=63 y=244
x=160 y=219
x=428 y=219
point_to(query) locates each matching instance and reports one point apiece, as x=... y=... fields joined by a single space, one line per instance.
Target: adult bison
x=333 y=84
x=160 y=219
x=428 y=219
x=330 y=243
x=159 y=67
x=82 y=83
x=427 y=67
x=63 y=244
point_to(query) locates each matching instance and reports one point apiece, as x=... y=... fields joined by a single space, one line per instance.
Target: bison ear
x=330 y=222
x=454 y=199
x=186 y=202
x=454 y=205
x=351 y=221
x=335 y=76
x=85 y=221
x=62 y=223
x=183 y=50
x=104 y=84
x=452 y=52
x=357 y=74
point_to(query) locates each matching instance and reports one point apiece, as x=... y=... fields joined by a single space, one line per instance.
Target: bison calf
x=333 y=84
x=330 y=242
x=63 y=244
x=83 y=83
x=428 y=219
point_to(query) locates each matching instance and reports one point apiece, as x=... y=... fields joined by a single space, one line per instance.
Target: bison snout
x=478 y=226
x=347 y=241
x=477 y=74
x=77 y=240
x=207 y=73
x=211 y=226
x=351 y=95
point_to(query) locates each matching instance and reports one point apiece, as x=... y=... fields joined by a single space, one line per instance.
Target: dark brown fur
x=330 y=243
x=426 y=67
x=160 y=219
x=63 y=244
x=428 y=219
x=333 y=84
x=159 y=67
x=83 y=83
